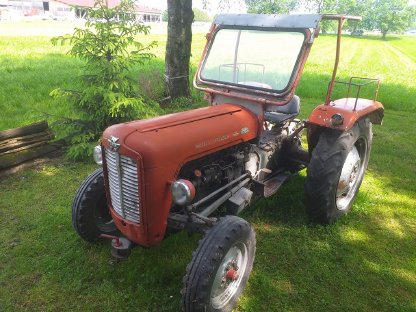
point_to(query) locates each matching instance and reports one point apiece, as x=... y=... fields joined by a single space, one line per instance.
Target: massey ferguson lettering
x=221 y=138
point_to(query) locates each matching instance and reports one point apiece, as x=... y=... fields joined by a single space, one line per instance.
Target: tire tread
x=324 y=169
x=81 y=206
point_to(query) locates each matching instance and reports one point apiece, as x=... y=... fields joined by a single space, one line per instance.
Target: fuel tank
x=161 y=146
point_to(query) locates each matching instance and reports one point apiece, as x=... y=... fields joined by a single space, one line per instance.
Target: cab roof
x=268 y=20
x=279 y=21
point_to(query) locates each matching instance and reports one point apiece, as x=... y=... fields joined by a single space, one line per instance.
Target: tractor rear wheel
x=336 y=170
x=220 y=267
x=90 y=214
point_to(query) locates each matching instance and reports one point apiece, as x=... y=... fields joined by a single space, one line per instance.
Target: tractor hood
x=178 y=138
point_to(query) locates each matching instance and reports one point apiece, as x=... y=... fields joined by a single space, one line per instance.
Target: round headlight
x=98 y=156
x=183 y=191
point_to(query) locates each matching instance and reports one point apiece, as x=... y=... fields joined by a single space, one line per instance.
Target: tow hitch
x=120 y=246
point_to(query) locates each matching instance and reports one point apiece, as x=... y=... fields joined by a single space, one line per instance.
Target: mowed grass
x=406 y=45
x=363 y=57
x=30 y=67
x=365 y=262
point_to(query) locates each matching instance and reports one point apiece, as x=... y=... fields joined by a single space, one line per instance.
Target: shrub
x=109 y=47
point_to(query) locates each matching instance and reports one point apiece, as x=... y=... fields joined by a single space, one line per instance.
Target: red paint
x=322 y=114
x=161 y=146
x=231 y=275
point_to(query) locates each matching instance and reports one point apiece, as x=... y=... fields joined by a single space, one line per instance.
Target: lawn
x=365 y=262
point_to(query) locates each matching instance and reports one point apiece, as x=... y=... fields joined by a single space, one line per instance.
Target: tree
x=391 y=15
x=200 y=16
x=356 y=8
x=178 y=47
x=322 y=7
x=165 y=16
x=223 y=6
x=110 y=48
x=271 y=6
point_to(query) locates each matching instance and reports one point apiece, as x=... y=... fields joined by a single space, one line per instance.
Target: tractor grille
x=124 y=187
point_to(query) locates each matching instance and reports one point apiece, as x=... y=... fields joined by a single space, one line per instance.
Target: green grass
x=365 y=57
x=405 y=45
x=365 y=262
x=30 y=67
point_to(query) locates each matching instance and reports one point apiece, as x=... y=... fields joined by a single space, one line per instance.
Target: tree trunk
x=178 y=47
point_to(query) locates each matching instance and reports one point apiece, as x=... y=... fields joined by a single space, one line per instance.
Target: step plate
x=273 y=184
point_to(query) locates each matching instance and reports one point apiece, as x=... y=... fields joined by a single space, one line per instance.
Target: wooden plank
x=25 y=138
x=22 y=131
x=11 y=144
x=12 y=159
x=17 y=150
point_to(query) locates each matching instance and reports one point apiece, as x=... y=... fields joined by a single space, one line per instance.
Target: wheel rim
x=102 y=217
x=229 y=275
x=351 y=175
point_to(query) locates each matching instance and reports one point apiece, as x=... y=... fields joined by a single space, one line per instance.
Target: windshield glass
x=257 y=58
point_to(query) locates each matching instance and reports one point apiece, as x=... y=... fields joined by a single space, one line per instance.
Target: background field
x=365 y=262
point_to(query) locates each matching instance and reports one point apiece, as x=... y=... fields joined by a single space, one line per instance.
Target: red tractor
x=197 y=170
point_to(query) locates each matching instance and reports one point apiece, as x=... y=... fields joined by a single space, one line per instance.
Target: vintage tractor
x=197 y=170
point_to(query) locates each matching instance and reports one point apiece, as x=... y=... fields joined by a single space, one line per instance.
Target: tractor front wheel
x=336 y=170
x=90 y=214
x=220 y=267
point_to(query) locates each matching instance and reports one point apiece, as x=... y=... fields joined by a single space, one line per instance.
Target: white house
x=62 y=7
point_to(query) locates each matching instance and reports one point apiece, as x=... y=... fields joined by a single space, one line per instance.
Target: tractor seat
x=280 y=114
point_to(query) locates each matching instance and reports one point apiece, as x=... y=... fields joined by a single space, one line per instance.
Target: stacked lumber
x=26 y=143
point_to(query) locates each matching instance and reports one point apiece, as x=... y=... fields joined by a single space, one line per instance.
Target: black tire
x=90 y=214
x=328 y=196
x=206 y=274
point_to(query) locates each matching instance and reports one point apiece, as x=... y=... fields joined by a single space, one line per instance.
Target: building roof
x=145 y=9
x=111 y=4
x=88 y=3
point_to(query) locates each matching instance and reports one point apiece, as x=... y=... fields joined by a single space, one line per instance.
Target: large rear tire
x=220 y=267
x=336 y=170
x=90 y=214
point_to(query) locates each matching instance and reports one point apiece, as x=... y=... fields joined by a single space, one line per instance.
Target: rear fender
x=350 y=109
